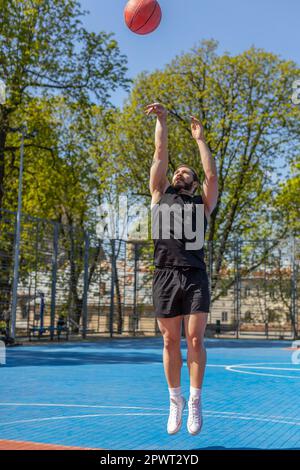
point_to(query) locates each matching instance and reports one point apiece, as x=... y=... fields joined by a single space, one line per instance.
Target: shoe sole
x=180 y=424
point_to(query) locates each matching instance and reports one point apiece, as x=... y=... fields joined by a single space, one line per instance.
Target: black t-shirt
x=172 y=252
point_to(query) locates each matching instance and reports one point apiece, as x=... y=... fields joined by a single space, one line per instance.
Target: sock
x=195 y=392
x=175 y=392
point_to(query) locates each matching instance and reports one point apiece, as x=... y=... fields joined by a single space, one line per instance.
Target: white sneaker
x=194 y=423
x=177 y=406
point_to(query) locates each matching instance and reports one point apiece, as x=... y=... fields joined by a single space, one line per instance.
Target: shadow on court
x=113 y=351
x=156 y=343
x=64 y=357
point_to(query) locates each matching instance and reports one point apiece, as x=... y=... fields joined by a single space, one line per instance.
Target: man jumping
x=180 y=281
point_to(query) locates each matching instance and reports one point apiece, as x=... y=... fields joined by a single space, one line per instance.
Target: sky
x=273 y=25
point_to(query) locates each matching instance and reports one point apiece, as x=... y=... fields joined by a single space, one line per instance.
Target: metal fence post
x=294 y=291
x=266 y=312
x=112 y=288
x=237 y=286
x=54 y=278
x=85 y=285
x=136 y=257
x=17 y=244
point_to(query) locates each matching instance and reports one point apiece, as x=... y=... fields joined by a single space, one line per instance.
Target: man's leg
x=194 y=326
x=170 y=329
x=196 y=358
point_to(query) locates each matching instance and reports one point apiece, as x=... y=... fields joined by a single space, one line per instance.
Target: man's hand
x=197 y=129
x=158 y=172
x=158 y=109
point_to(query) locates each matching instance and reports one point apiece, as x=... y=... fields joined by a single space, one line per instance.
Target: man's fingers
x=155 y=108
x=148 y=110
x=152 y=104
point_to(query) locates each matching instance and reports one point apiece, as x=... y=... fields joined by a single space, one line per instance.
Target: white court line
x=118 y=407
x=63 y=405
x=250 y=418
x=252 y=415
x=217 y=365
x=227 y=415
x=266 y=368
x=54 y=418
x=260 y=365
x=231 y=368
x=209 y=413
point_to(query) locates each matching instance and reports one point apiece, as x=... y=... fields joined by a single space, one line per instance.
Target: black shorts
x=180 y=291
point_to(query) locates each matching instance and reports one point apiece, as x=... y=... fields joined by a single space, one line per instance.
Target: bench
x=48 y=329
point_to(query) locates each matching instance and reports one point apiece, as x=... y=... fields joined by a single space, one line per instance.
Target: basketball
x=142 y=16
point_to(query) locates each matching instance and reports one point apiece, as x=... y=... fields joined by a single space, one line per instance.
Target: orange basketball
x=142 y=16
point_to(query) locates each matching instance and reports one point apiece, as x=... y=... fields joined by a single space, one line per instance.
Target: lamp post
x=17 y=242
x=18 y=224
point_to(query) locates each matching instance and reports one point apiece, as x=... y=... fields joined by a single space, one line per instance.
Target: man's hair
x=195 y=176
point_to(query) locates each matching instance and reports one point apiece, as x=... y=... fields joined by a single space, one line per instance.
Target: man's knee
x=171 y=342
x=196 y=343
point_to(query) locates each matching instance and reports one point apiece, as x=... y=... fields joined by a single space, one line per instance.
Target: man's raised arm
x=158 y=172
x=210 y=184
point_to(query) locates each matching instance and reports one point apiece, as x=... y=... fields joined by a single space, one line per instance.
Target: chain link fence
x=72 y=284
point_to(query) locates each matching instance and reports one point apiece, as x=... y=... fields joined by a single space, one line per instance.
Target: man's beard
x=180 y=184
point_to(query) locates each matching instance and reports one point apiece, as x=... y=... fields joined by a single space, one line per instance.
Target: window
x=224 y=316
x=102 y=288
x=247 y=291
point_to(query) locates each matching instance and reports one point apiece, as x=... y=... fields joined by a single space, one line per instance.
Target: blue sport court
x=112 y=394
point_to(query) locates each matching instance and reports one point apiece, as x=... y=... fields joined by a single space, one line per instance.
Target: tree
x=45 y=50
x=64 y=182
x=287 y=201
x=46 y=54
x=244 y=102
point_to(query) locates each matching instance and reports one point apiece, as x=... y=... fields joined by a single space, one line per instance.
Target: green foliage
x=45 y=49
x=59 y=78
x=250 y=123
x=47 y=55
x=287 y=201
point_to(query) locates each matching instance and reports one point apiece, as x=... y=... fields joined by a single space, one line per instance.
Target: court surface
x=112 y=394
